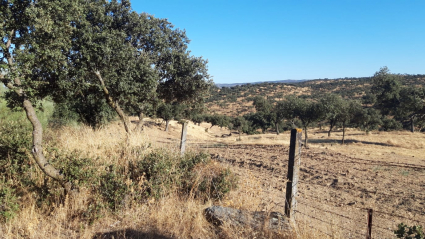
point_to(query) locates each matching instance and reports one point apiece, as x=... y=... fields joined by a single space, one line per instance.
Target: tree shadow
x=347 y=141
x=129 y=234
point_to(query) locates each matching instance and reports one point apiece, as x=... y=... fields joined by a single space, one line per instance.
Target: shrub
x=390 y=124
x=15 y=143
x=407 y=232
x=8 y=202
x=205 y=179
x=194 y=174
x=76 y=169
x=88 y=109
x=113 y=188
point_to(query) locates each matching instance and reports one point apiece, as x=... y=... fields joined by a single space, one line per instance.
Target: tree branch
x=9 y=42
x=37 y=133
x=113 y=104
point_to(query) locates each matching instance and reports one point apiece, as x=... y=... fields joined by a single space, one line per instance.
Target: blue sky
x=248 y=41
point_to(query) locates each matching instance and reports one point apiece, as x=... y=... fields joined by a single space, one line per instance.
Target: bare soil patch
x=384 y=171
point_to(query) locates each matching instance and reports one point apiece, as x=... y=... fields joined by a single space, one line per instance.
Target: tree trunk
x=167 y=122
x=37 y=139
x=306 y=137
x=140 y=124
x=343 y=132
x=37 y=150
x=277 y=129
x=37 y=132
x=412 y=125
x=113 y=104
x=330 y=129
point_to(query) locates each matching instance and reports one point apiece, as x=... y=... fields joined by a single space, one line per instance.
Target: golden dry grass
x=168 y=217
x=176 y=217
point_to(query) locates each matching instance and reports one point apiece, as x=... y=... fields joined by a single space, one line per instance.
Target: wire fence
x=384 y=223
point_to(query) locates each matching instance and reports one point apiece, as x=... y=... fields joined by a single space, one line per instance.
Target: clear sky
x=264 y=40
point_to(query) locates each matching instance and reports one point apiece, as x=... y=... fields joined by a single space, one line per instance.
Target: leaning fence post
x=369 y=224
x=293 y=172
x=183 y=138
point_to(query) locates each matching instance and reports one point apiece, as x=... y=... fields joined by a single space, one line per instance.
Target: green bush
x=217 y=185
x=8 y=202
x=158 y=170
x=409 y=232
x=191 y=175
x=76 y=169
x=390 y=124
x=15 y=145
x=203 y=179
x=113 y=188
x=88 y=109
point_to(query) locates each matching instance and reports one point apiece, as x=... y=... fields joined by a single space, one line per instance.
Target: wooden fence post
x=183 y=138
x=293 y=172
x=369 y=224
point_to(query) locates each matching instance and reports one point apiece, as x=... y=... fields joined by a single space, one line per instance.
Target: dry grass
x=172 y=216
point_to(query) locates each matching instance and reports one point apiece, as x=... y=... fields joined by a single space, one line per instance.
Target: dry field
x=384 y=171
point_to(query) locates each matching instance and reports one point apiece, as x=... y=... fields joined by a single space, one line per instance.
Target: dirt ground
x=384 y=171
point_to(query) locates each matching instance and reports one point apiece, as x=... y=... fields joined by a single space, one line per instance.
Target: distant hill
x=236 y=99
x=261 y=82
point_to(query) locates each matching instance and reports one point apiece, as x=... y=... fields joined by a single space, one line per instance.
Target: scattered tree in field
x=135 y=58
x=394 y=100
x=306 y=111
x=386 y=88
x=332 y=106
x=367 y=119
x=169 y=112
x=411 y=105
x=348 y=110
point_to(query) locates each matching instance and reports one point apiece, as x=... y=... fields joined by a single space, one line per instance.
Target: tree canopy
x=61 y=49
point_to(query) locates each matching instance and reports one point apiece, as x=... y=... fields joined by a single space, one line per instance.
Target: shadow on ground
x=129 y=234
x=347 y=141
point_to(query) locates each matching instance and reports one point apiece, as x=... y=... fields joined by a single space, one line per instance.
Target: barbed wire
x=320 y=230
x=333 y=224
x=360 y=190
x=324 y=210
x=399 y=216
x=367 y=161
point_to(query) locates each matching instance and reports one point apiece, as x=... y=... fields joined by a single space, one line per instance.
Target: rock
x=234 y=217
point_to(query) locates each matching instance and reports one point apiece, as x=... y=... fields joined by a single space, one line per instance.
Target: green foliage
x=15 y=145
x=160 y=170
x=87 y=109
x=77 y=169
x=192 y=175
x=409 y=232
x=258 y=120
x=216 y=186
x=218 y=120
x=386 y=87
x=366 y=119
x=113 y=187
x=389 y=124
x=243 y=125
x=9 y=205
x=262 y=105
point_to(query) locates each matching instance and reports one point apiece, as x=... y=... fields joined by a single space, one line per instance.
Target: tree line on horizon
x=387 y=104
